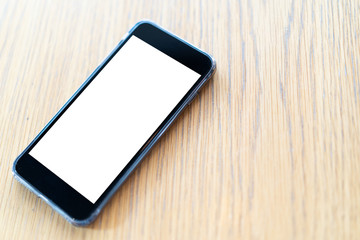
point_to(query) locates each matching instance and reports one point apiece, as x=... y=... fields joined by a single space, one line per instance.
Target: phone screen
x=113 y=117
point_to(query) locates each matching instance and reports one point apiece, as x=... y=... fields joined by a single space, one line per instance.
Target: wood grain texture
x=269 y=150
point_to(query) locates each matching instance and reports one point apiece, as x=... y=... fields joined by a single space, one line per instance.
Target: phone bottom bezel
x=53 y=190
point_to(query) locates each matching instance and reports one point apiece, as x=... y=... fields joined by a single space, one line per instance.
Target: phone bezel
x=61 y=196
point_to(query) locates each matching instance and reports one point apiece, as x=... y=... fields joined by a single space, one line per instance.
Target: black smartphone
x=90 y=147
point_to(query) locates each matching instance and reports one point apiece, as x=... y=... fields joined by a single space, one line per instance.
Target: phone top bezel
x=61 y=196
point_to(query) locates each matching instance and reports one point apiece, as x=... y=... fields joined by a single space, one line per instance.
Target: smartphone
x=96 y=140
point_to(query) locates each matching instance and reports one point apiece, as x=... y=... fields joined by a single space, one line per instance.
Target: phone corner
x=13 y=168
x=213 y=65
x=142 y=22
x=82 y=222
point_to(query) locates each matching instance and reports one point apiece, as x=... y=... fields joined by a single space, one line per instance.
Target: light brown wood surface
x=269 y=150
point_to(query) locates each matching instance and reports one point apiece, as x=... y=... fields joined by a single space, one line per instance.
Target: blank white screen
x=108 y=123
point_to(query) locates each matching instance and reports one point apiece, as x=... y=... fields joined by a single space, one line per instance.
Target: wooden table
x=269 y=150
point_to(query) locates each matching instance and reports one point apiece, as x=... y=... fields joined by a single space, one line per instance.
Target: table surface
x=270 y=149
